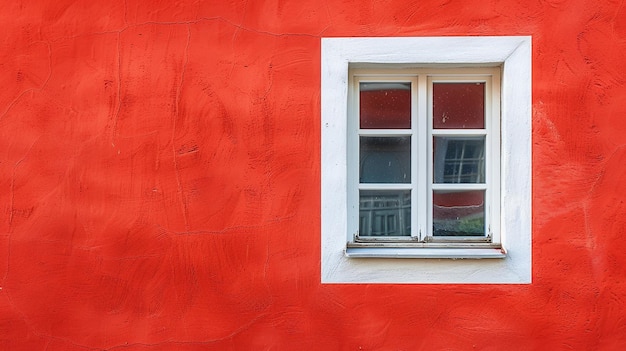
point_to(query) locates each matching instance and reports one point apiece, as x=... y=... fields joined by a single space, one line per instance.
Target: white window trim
x=514 y=55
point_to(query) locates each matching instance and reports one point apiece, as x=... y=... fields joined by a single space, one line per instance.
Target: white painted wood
x=385 y=186
x=514 y=54
x=407 y=252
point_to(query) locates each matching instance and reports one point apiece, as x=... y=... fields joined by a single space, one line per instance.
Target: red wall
x=160 y=180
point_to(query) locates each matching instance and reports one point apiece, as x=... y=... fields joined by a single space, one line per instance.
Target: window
x=426 y=156
x=427 y=172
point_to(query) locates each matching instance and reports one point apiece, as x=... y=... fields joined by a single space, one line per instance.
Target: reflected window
x=459 y=159
x=385 y=213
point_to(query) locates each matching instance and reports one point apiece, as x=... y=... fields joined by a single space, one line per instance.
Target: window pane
x=459 y=159
x=459 y=213
x=385 y=213
x=385 y=159
x=385 y=105
x=458 y=105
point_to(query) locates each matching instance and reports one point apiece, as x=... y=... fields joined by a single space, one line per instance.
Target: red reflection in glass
x=459 y=105
x=459 y=213
x=385 y=105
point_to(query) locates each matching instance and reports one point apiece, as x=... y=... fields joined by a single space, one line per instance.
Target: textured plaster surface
x=159 y=176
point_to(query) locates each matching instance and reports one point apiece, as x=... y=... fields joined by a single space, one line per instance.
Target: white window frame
x=421 y=184
x=339 y=265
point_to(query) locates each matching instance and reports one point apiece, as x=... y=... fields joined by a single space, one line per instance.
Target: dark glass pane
x=385 y=105
x=459 y=159
x=385 y=159
x=458 y=105
x=459 y=213
x=385 y=213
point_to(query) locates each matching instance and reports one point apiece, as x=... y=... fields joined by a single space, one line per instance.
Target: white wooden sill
x=425 y=252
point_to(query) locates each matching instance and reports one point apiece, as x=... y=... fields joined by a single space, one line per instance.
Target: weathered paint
x=160 y=168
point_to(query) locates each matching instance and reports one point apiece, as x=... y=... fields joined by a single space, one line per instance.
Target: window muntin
x=439 y=188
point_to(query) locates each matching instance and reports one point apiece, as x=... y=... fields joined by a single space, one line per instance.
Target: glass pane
x=459 y=213
x=385 y=213
x=385 y=105
x=459 y=159
x=385 y=159
x=458 y=105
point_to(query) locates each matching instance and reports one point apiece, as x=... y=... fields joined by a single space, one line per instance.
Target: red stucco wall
x=159 y=180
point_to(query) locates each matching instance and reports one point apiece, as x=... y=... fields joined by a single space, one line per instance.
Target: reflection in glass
x=385 y=105
x=385 y=159
x=459 y=213
x=459 y=159
x=385 y=213
x=458 y=105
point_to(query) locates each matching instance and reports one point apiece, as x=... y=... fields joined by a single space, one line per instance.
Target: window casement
x=426 y=160
x=423 y=162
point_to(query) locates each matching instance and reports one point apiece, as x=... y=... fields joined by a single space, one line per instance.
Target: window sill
x=415 y=252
